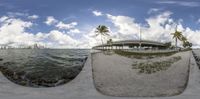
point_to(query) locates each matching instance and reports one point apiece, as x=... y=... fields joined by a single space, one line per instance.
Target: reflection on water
x=42 y=67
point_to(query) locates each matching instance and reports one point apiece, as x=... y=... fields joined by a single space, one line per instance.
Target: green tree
x=102 y=30
x=168 y=44
x=177 y=35
x=183 y=39
x=187 y=44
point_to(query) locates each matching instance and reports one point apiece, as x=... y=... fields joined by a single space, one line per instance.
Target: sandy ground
x=113 y=75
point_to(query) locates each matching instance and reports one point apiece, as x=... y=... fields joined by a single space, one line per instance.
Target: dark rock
x=39 y=78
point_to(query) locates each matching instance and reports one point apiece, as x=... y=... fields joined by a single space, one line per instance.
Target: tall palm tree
x=177 y=35
x=102 y=30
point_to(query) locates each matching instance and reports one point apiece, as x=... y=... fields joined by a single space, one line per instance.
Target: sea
x=42 y=67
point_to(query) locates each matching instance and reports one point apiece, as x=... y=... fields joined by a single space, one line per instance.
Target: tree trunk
x=101 y=40
x=176 y=43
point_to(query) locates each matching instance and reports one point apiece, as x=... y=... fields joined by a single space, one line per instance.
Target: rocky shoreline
x=197 y=58
x=38 y=79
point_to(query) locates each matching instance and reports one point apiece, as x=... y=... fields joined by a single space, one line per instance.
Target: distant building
x=35 y=46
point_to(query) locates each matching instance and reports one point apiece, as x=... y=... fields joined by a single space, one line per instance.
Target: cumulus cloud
x=70 y=27
x=33 y=17
x=50 y=20
x=157 y=28
x=97 y=13
x=3 y=18
x=62 y=25
x=13 y=32
x=60 y=39
x=74 y=31
x=127 y=27
x=160 y=27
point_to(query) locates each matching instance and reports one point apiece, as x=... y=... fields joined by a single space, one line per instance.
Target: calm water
x=42 y=67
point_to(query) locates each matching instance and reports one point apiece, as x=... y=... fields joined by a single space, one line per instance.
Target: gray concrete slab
x=82 y=87
x=114 y=75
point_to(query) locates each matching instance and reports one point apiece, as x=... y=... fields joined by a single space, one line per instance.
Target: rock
x=1 y=59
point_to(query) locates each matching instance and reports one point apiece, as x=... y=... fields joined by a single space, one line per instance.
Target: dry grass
x=153 y=67
x=138 y=55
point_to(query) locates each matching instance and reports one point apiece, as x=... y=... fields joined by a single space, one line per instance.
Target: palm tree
x=102 y=30
x=183 y=39
x=185 y=42
x=177 y=35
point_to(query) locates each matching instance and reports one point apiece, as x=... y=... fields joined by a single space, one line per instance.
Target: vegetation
x=139 y=55
x=168 y=44
x=153 y=67
x=187 y=44
x=102 y=30
x=177 y=35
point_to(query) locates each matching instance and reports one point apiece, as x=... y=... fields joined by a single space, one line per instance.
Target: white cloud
x=13 y=14
x=74 y=31
x=89 y=39
x=181 y=3
x=152 y=10
x=62 y=25
x=127 y=27
x=198 y=21
x=60 y=39
x=13 y=32
x=97 y=13
x=159 y=28
x=50 y=20
x=33 y=17
x=3 y=18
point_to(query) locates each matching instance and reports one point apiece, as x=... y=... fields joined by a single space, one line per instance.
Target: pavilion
x=133 y=44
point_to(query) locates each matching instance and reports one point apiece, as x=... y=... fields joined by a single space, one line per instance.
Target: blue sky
x=185 y=13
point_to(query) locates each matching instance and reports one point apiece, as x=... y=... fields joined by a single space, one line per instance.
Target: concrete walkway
x=122 y=80
x=82 y=87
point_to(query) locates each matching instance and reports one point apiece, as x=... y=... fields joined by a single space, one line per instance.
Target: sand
x=114 y=76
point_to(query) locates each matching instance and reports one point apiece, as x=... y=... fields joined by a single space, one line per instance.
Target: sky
x=72 y=23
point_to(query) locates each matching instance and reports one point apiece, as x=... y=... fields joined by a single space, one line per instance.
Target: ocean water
x=42 y=67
